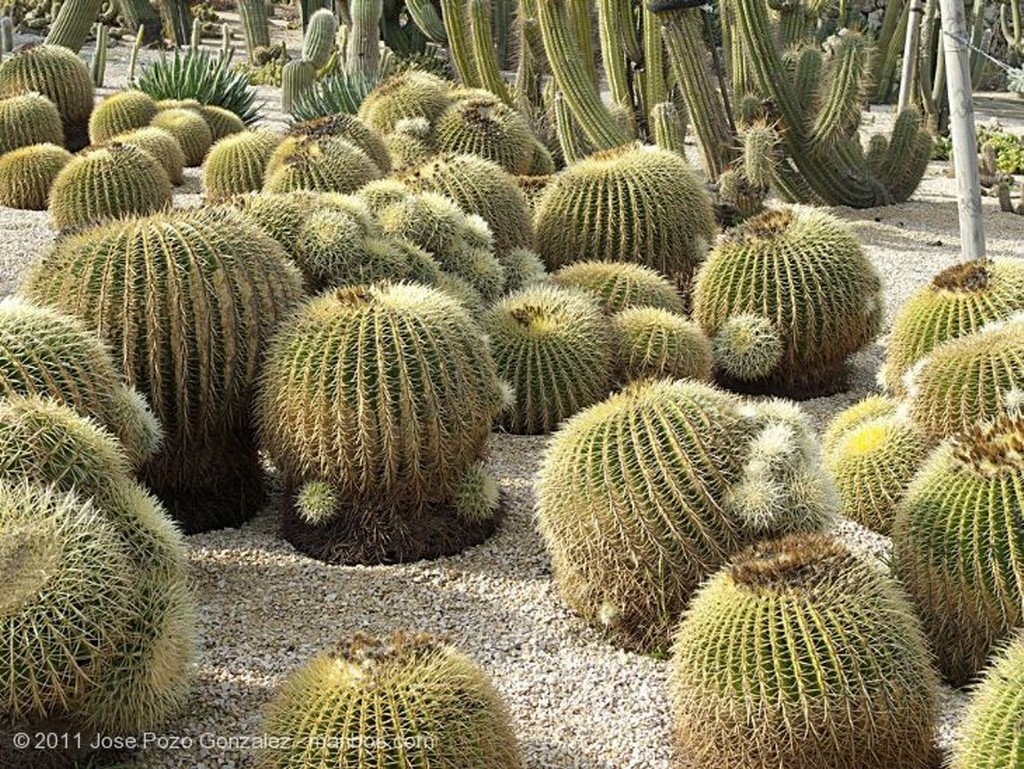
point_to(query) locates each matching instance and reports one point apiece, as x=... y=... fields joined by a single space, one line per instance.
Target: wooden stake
x=962 y=131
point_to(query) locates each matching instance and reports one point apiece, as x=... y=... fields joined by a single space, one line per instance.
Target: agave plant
x=203 y=76
x=341 y=92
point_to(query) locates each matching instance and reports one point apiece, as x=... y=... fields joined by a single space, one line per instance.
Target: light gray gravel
x=576 y=701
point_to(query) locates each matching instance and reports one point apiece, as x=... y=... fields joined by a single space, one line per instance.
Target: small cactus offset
x=556 y=350
x=27 y=119
x=655 y=343
x=621 y=285
x=113 y=181
x=192 y=344
x=160 y=144
x=236 y=164
x=669 y=127
x=408 y=700
x=786 y=298
x=958 y=544
x=381 y=424
x=990 y=737
x=632 y=204
x=956 y=302
x=120 y=113
x=27 y=174
x=99 y=56
x=827 y=665
x=644 y=495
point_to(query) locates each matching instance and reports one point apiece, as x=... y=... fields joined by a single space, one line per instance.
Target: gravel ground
x=576 y=701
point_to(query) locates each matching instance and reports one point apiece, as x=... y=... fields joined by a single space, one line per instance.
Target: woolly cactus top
x=969 y=276
x=799 y=563
x=993 y=448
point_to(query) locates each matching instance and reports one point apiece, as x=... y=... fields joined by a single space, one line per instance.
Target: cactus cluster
x=410 y=94
x=28 y=173
x=190 y=337
x=408 y=700
x=644 y=495
x=375 y=402
x=160 y=144
x=787 y=298
x=350 y=128
x=826 y=665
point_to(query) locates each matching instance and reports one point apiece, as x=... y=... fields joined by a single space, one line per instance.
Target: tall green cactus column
x=453 y=13
x=484 y=50
x=74 y=21
x=255 y=16
x=364 y=40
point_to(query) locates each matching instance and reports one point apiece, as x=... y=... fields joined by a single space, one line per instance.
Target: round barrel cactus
x=644 y=495
x=381 y=397
x=121 y=113
x=991 y=736
x=412 y=94
x=161 y=145
x=860 y=413
x=328 y=164
x=968 y=380
x=636 y=204
x=188 y=303
x=655 y=343
x=408 y=701
x=556 y=349
x=236 y=164
x=523 y=268
x=188 y=127
x=959 y=544
x=786 y=298
x=956 y=302
x=60 y=76
x=26 y=119
x=619 y=285
x=28 y=173
x=800 y=654
x=108 y=183
x=487 y=128
x=480 y=187
x=381 y=193
x=222 y=122
x=352 y=129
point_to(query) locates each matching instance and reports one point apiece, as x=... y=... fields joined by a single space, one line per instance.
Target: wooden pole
x=961 y=127
x=910 y=54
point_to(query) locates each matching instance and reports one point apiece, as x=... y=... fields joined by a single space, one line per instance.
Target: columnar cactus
x=410 y=94
x=655 y=343
x=826 y=665
x=318 y=39
x=958 y=544
x=328 y=164
x=190 y=129
x=27 y=119
x=107 y=183
x=121 y=113
x=363 y=54
x=632 y=204
x=556 y=350
x=786 y=298
x=409 y=700
x=968 y=380
x=620 y=285
x=27 y=174
x=236 y=164
x=990 y=737
x=383 y=421
x=956 y=302
x=160 y=144
x=222 y=122
x=641 y=497
x=72 y=23
x=297 y=77
x=487 y=128
x=347 y=127
x=190 y=336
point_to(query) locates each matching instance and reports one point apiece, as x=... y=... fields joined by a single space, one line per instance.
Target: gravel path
x=576 y=701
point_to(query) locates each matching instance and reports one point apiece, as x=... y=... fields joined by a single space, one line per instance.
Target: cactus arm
x=504 y=25
x=318 y=43
x=907 y=157
x=795 y=24
x=297 y=78
x=99 y=57
x=484 y=53
x=654 y=88
x=570 y=73
x=453 y=13
x=74 y=21
x=613 y=53
x=840 y=91
x=363 y=55
x=426 y=17
x=579 y=16
x=889 y=47
x=683 y=34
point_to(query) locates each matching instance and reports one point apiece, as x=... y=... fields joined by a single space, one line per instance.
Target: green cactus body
x=382 y=193
x=60 y=76
x=121 y=113
x=279 y=215
x=334 y=249
x=363 y=55
x=297 y=77
x=318 y=41
x=460 y=41
x=410 y=390
x=958 y=544
x=956 y=302
x=330 y=164
x=669 y=122
x=107 y=183
x=410 y=94
x=523 y=268
x=160 y=144
x=968 y=380
x=556 y=350
x=488 y=129
x=236 y=164
x=72 y=23
x=364 y=706
x=633 y=204
x=804 y=274
x=28 y=119
x=350 y=128
x=27 y=174
x=644 y=495
x=872 y=465
x=255 y=18
x=485 y=49
x=222 y=122
x=990 y=736
x=68 y=602
x=826 y=665
x=655 y=343
x=480 y=187
x=620 y=285
x=190 y=129
x=860 y=413
x=190 y=336
x=411 y=144
x=428 y=20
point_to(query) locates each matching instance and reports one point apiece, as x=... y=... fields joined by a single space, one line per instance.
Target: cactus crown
x=969 y=276
x=799 y=562
x=993 y=447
